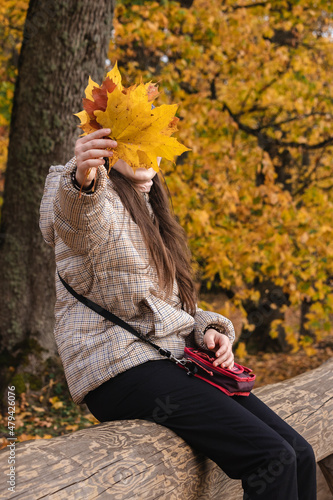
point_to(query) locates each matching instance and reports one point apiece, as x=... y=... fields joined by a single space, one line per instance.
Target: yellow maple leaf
x=115 y=76
x=27 y=437
x=47 y=436
x=89 y=88
x=72 y=427
x=142 y=133
x=56 y=404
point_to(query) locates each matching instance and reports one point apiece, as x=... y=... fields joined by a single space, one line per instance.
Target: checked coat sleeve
x=81 y=220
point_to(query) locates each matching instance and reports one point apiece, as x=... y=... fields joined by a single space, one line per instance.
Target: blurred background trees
x=254 y=84
x=255 y=194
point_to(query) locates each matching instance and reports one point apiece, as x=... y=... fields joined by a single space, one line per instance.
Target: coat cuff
x=204 y=319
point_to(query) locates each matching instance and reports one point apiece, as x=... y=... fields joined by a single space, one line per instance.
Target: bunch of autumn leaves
x=142 y=133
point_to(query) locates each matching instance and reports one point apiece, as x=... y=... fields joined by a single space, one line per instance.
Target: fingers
x=94 y=153
x=222 y=345
x=101 y=132
x=95 y=148
x=102 y=143
x=214 y=339
x=90 y=151
x=224 y=357
x=96 y=140
x=210 y=339
x=93 y=163
x=225 y=362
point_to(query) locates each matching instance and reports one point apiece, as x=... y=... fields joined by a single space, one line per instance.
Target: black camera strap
x=118 y=321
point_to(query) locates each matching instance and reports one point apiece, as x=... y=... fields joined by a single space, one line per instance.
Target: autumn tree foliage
x=253 y=84
x=255 y=194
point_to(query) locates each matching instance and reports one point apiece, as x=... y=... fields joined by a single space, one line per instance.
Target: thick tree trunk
x=65 y=41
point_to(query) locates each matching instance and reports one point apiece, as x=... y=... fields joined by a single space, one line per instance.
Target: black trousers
x=246 y=439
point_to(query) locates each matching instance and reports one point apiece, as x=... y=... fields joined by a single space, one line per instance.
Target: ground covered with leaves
x=271 y=368
x=50 y=412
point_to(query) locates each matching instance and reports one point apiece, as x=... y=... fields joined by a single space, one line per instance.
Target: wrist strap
x=86 y=190
x=118 y=321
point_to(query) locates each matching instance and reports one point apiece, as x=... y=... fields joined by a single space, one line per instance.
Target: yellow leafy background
x=255 y=194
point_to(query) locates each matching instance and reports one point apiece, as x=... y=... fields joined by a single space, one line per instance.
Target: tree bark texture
x=65 y=41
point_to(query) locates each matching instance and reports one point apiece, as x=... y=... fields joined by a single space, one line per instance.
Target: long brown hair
x=164 y=238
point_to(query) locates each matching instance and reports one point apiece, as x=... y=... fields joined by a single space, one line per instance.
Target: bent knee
x=285 y=455
x=304 y=452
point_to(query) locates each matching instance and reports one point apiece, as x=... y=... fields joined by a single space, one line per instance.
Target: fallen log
x=136 y=459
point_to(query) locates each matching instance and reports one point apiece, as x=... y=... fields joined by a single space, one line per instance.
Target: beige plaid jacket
x=99 y=251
